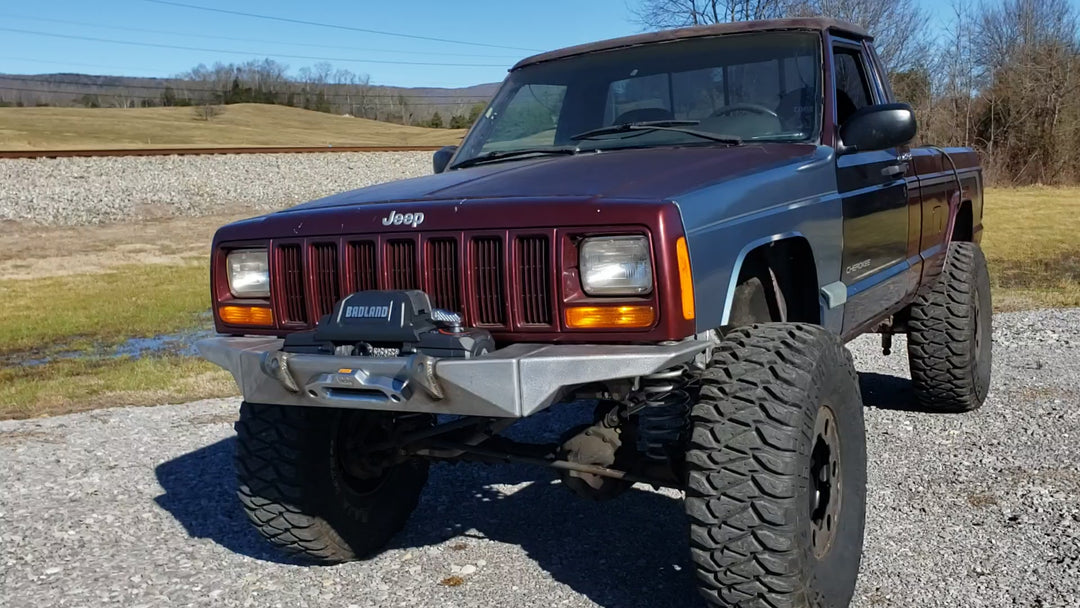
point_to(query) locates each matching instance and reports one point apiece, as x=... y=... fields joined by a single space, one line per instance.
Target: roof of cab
x=700 y=31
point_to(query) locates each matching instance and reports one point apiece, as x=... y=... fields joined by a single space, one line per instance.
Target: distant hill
x=391 y=104
x=50 y=128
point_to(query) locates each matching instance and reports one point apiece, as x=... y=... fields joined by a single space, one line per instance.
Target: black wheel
x=776 y=493
x=308 y=487
x=949 y=334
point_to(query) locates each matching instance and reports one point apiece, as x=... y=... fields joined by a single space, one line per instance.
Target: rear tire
x=303 y=494
x=950 y=335
x=777 y=470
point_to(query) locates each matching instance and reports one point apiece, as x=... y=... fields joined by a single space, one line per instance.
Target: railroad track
x=203 y=151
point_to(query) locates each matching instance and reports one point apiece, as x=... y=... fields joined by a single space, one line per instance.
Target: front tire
x=777 y=470
x=950 y=335
x=306 y=492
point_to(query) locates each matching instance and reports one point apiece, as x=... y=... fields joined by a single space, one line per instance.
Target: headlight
x=249 y=273
x=616 y=266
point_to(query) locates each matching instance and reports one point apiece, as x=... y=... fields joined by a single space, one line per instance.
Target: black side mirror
x=878 y=127
x=442 y=158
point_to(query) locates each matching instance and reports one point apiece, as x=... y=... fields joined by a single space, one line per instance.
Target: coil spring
x=666 y=413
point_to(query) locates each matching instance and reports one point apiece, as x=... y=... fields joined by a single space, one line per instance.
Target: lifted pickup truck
x=683 y=228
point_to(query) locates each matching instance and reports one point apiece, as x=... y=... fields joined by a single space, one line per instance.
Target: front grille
x=292 y=284
x=308 y=280
x=364 y=270
x=325 y=268
x=401 y=265
x=443 y=271
x=488 y=275
x=535 y=280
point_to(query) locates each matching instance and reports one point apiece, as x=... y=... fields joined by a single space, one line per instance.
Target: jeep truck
x=679 y=229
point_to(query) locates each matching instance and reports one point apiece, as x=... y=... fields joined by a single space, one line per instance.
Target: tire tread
x=745 y=464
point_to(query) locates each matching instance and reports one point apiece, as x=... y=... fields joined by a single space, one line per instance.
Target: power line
x=184 y=86
x=247 y=53
x=333 y=25
x=256 y=40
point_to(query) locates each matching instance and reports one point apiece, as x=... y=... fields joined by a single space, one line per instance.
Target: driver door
x=875 y=202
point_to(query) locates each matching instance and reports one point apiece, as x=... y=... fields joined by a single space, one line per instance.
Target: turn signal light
x=686 y=279
x=601 y=317
x=247 y=315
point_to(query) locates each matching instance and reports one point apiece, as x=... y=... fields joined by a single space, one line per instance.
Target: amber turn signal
x=604 y=317
x=247 y=315
x=686 y=280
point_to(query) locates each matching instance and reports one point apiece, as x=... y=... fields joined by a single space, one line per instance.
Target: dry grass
x=29 y=251
x=1032 y=243
x=237 y=125
x=75 y=385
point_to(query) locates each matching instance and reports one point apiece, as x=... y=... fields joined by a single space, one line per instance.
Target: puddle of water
x=181 y=343
x=173 y=344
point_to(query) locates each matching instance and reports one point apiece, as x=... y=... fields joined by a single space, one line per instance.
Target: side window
x=852 y=90
x=529 y=119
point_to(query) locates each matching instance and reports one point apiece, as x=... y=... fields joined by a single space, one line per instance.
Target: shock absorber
x=665 y=413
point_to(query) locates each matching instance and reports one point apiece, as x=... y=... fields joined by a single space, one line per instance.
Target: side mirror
x=442 y=158
x=878 y=127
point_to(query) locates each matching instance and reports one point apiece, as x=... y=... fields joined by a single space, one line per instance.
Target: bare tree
x=208 y=111
x=657 y=14
x=899 y=25
x=1029 y=53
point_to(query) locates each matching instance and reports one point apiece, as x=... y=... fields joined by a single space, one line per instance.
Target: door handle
x=894 y=170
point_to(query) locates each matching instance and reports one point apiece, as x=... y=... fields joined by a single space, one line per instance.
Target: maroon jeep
x=680 y=228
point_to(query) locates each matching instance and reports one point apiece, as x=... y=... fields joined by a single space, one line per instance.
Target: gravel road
x=76 y=191
x=134 y=507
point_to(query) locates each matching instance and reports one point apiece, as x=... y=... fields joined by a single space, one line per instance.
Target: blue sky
x=524 y=26
x=507 y=23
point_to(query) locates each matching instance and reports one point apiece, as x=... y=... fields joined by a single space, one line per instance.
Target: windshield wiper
x=500 y=155
x=658 y=125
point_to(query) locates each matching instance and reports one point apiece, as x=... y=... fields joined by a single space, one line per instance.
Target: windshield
x=761 y=86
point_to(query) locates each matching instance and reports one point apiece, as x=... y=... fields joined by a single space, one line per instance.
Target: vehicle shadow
x=200 y=492
x=887 y=392
x=630 y=551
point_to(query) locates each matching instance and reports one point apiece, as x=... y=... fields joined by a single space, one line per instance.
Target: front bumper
x=511 y=382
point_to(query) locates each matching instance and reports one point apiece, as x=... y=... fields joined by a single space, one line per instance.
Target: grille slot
x=488 y=273
x=534 y=274
x=443 y=270
x=363 y=263
x=401 y=265
x=327 y=288
x=292 y=279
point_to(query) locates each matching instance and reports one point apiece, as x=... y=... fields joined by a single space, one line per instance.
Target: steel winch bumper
x=511 y=382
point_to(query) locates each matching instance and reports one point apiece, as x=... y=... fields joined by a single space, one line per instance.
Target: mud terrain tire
x=772 y=522
x=299 y=495
x=949 y=335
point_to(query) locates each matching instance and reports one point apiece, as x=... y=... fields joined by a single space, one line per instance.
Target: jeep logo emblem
x=408 y=219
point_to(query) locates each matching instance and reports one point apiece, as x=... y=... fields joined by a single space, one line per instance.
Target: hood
x=653 y=174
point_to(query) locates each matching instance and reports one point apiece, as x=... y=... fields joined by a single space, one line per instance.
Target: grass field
x=237 y=125
x=1032 y=241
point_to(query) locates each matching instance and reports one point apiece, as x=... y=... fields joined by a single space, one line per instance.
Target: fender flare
x=741 y=259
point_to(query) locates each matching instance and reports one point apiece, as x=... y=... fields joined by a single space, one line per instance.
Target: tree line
x=1003 y=77
x=321 y=88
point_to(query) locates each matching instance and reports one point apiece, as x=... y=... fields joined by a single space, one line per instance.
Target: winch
x=390 y=324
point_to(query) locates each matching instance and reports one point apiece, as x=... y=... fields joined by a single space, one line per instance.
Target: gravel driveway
x=79 y=191
x=135 y=507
